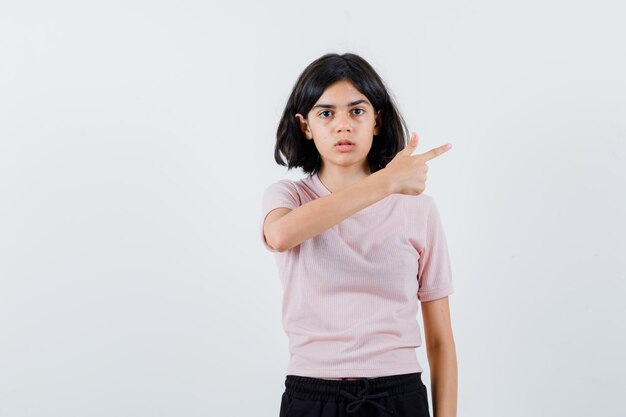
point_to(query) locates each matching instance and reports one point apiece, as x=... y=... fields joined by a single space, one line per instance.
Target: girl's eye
x=327 y=113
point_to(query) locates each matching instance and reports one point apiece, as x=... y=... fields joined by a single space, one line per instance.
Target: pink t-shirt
x=350 y=294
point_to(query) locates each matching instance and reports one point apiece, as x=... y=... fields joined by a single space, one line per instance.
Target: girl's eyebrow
x=352 y=103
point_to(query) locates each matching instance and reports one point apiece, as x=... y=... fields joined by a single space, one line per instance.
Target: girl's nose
x=343 y=122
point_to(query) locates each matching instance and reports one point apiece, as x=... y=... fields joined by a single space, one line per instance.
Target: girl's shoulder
x=289 y=184
x=294 y=192
x=422 y=200
x=422 y=207
x=304 y=186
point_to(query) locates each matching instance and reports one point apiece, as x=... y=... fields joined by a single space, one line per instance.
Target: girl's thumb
x=413 y=141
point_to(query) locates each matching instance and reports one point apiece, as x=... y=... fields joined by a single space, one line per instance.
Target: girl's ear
x=304 y=126
x=378 y=122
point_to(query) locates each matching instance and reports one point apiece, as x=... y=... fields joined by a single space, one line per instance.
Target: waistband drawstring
x=361 y=398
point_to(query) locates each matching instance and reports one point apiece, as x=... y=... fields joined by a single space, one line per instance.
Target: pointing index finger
x=435 y=152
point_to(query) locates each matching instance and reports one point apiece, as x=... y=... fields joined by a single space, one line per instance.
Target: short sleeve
x=282 y=193
x=434 y=272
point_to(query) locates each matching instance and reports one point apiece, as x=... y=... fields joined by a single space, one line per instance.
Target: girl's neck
x=335 y=181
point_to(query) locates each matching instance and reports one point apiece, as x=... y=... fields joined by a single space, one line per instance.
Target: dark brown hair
x=311 y=84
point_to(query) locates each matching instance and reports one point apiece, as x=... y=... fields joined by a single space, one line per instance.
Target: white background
x=136 y=139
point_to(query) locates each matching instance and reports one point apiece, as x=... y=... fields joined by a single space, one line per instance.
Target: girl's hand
x=407 y=173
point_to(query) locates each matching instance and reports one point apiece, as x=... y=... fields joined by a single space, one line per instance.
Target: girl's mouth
x=344 y=148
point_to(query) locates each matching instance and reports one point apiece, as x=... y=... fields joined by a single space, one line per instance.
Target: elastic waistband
x=325 y=389
x=374 y=391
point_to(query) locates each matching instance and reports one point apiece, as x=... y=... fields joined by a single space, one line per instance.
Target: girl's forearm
x=316 y=216
x=443 y=379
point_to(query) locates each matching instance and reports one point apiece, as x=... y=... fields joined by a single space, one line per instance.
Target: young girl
x=357 y=244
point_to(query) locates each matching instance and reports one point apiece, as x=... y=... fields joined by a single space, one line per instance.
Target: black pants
x=395 y=395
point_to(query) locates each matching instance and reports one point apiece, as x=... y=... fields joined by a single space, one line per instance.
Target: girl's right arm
x=285 y=228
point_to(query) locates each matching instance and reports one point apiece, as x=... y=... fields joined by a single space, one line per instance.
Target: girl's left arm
x=441 y=356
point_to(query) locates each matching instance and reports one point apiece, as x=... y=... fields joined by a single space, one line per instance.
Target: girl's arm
x=292 y=227
x=441 y=356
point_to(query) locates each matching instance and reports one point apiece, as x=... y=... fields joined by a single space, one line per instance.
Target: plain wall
x=136 y=139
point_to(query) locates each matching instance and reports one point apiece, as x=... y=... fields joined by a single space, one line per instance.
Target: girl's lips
x=344 y=148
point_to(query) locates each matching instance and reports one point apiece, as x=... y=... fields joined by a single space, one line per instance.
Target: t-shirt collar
x=321 y=188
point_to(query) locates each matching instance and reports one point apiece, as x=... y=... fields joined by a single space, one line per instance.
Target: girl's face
x=342 y=113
